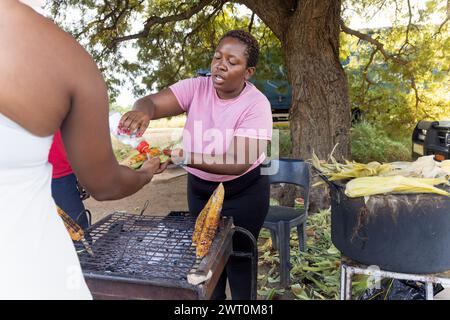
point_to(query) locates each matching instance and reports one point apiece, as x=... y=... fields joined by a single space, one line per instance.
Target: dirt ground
x=166 y=192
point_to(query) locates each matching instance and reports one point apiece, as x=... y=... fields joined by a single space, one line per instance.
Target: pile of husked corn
x=420 y=176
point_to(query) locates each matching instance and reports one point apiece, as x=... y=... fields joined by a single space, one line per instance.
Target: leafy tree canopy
x=397 y=74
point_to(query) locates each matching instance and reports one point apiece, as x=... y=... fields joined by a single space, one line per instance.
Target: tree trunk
x=320 y=115
x=320 y=112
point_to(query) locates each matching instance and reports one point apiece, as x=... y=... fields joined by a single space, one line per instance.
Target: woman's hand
x=132 y=121
x=177 y=156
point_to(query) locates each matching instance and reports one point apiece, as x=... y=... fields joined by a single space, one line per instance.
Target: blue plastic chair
x=280 y=220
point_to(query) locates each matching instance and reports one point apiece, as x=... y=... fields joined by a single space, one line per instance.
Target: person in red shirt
x=65 y=190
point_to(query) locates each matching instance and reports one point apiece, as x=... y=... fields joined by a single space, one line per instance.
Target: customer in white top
x=48 y=81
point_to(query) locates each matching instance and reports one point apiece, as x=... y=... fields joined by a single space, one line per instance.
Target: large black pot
x=407 y=233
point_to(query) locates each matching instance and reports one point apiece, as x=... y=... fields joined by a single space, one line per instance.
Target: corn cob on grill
x=208 y=223
x=75 y=231
x=201 y=222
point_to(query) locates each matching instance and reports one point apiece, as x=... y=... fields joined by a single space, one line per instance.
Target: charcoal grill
x=152 y=257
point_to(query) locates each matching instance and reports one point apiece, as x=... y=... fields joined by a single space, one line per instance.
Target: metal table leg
x=429 y=290
x=348 y=283
x=343 y=282
x=253 y=256
x=348 y=269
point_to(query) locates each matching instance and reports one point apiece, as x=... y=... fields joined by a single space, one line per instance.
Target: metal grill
x=141 y=247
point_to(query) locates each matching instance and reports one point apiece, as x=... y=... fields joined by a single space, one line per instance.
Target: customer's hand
x=151 y=166
x=163 y=166
x=134 y=121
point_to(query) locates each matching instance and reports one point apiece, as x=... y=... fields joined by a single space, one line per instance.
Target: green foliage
x=285 y=144
x=369 y=143
x=391 y=95
x=168 y=52
x=315 y=273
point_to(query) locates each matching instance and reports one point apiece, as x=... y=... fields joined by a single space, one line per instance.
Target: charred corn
x=134 y=160
x=200 y=222
x=75 y=231
x=211 y=222
x=139 y=158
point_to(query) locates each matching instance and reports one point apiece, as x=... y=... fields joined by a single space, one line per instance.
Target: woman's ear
x=249 y=72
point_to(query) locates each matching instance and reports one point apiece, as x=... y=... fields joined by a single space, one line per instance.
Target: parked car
x=431 y=137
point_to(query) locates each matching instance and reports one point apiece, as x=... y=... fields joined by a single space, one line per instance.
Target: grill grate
x=141 y=247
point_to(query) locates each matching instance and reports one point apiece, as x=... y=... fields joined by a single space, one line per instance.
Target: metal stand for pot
x=350 y=268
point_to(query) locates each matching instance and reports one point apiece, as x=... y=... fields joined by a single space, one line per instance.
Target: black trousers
x=247 y=201
x=67 y=197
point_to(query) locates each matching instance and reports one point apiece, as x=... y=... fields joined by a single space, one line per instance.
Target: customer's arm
x=85 y=131
x=155 y=106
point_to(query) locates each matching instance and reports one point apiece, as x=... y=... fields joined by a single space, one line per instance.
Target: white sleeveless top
x=37 y=256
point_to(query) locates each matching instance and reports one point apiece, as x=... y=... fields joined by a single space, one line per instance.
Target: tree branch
x=407 y=28
x=416 y=93
x=448 y=9
x=366 y=76
x=250 y=25
x=445 y=21
x=376 y=43
x=111 y=15
x=380 y=47
x=153 y=20
x=273 y=13
x=185 y=38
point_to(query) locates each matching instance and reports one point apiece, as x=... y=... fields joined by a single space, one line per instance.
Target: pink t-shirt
x=212 y=123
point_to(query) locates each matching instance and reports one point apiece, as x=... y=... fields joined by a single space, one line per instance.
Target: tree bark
x=320 y=112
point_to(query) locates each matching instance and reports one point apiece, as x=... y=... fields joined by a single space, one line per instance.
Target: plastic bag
x=129 y=140
x=394 y=289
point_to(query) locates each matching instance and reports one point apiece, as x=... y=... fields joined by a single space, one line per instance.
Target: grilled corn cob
x=139 y=158
x=75 y=231
x=134 y=160
x=199 y=223
x=211 y=222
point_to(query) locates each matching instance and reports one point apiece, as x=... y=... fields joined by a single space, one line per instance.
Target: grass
x=315 y=274
x=281 y=125
x=370 y=143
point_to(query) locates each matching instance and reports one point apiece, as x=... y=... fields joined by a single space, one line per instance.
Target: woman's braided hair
x=252 y=51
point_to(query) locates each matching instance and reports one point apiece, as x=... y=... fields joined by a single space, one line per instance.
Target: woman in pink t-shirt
x=229 y=123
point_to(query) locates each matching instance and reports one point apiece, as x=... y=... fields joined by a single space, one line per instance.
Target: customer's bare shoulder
x=40 y=69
